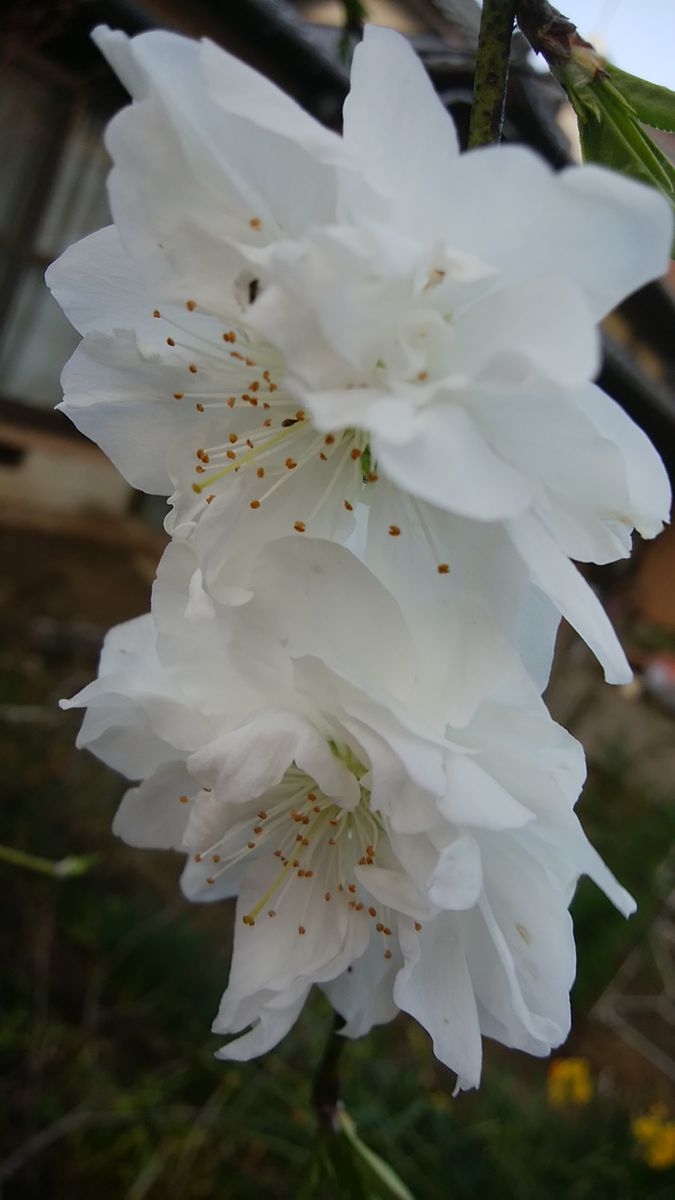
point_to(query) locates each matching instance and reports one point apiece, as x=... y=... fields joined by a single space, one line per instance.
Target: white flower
x=372 y=306
x=393 y=861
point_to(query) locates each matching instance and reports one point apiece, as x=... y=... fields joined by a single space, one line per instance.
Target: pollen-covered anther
x=299 y=526
x=348 y=506
x=184 y=799
x=358 y=906
x=351 y=887
x=372 y=477
x=211 y=498
x=354 y=454
x=229 y=336
x=198 y=858
x=179 y=396
x=258 y=830
x=326 y=895
x=200 y=470
x=215 y=858
x=329 y=439
x=199 y=408
x=422 y=375
x=251 y=845
x=170 y=341
x=417 y=926
x=210 y=879
x=193 y=368
x=256 y=223
x=290 y=464
x=443 y=568
x=231 y=401
x=156 y=313
x=394 y=531
x=254 y=504
x=232 y=438
x=301 y=929
x=248 y=920
x=271 y=912
x=197 y=487
x=254 y=385
x=372 y=912
x=191 y=305
x=379 y=927
x=230 y=454
x=387 y=953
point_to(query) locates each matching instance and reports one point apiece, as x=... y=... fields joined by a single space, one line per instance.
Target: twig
x=492 y=70
x=549 y=32
x=326 y=1084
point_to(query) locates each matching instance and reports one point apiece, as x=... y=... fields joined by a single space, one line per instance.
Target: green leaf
x=653 y=104
x=384 y=1182
x=611 y=133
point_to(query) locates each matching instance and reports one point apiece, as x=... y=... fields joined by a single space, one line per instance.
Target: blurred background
x=110 y=980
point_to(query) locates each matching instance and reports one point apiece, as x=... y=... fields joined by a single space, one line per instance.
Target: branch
x=326 y=1084
x=492 y=69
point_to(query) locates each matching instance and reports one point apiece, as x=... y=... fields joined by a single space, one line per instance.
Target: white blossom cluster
x=361 y=368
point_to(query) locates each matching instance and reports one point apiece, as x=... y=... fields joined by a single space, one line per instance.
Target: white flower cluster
x=362 y=369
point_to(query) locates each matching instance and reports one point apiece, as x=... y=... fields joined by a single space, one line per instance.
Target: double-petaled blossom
x=285 y=327
x=293 y=749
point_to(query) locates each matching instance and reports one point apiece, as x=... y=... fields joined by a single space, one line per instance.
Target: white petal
x=96 y=284
x=617 y=233
x=270 y=1023
x=535 y=636
x=394 y=890
x=243 y=764
x=363 y=994
x=449 y=463
x=555 y=574
x=436 y=989
x=458 y=877
x=647 y=480
x=475 y=798
x=153 y=815
x=123 y=402
x=399 y=132
x=540 y=325
x=506 y=202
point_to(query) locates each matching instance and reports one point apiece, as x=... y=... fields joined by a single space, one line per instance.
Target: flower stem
x=72 y=865
x=492 y=70
x=326 y=1083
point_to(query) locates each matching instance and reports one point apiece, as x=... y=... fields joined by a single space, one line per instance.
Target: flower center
x=253 y=427
x=313 y=837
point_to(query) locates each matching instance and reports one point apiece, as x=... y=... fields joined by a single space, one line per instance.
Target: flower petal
x=401 y=136
x=553 y=572
x=448 y=462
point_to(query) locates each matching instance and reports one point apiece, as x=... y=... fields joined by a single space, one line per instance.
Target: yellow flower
x=656 y=1138
x=569 y=1082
